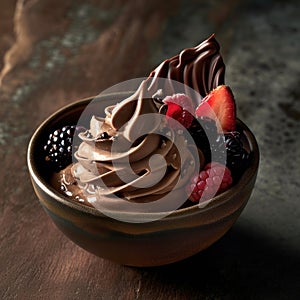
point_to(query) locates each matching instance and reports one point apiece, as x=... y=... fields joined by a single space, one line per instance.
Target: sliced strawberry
x=180 y=108
x=219 y=105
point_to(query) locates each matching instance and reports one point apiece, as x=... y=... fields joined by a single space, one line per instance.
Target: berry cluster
x=213 y=128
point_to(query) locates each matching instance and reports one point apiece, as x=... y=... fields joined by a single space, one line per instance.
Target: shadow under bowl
x=171 y=238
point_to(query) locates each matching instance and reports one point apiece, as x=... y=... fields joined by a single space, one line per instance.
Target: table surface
x=55 y=52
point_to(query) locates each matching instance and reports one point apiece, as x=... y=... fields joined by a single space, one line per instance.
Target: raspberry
x=179 y=108
x=58 y=148
x=213 y=180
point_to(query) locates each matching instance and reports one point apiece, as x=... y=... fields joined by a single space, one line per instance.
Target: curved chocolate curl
x=201 y=68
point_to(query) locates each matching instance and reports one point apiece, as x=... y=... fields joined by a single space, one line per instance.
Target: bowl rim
x=220 y=199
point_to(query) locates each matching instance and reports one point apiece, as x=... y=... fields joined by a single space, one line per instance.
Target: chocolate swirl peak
x=201 y=68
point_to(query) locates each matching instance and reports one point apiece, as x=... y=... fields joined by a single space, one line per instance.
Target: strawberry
x=179 y=108
x=219 y=105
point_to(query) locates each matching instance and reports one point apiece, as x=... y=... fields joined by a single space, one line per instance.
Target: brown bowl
x=171 y=238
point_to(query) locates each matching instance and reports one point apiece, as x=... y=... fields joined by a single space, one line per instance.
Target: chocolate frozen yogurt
x=152 y=170
x=174 y=139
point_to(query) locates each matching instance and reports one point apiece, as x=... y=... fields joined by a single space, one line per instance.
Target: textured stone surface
x=54 y=52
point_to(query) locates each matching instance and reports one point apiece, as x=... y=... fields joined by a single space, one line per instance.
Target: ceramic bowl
x=172 y=238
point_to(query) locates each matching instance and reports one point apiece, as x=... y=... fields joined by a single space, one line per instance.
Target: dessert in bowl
x=160 y=212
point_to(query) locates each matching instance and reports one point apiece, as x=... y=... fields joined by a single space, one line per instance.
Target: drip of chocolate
x=201 y=68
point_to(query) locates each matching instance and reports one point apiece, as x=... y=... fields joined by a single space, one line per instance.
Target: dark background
x=54 y=52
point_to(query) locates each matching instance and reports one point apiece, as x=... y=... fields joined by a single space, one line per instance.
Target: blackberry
x=237 y=158
x=227 y=146
x=59 y=147
x=204 y=132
